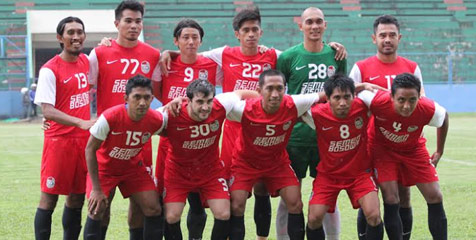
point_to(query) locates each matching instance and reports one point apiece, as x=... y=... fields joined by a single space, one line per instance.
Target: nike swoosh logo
x=362 y=234
x=67 y=80
x=373 y=78
x=299 y=68
x=116 y=133
x=406 y=233
x=326 y=128
x=111 y=62
x=235 y=65
x=181 y=129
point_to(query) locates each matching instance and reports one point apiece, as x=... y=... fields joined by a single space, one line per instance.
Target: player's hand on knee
x=46 y=125
x=341 y=51
x=105 y=41
x=97 y=202
x=164 y=62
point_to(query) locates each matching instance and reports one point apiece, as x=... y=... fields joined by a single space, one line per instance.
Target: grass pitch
x=20 y=157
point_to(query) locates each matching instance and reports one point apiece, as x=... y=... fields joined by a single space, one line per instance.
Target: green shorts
x=303 y=158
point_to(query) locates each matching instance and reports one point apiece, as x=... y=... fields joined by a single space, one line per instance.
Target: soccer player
x=381 y=69
x=399 y=151
x=306 y=67
x=111 y=67
x=63 y=94
x=260 y=153
x=193 y=164
x=341 y=126
x=188 y=35
x=113 y=159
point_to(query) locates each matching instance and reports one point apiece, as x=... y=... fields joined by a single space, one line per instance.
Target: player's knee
x=172 y=216
x=434 y=197
x=405 y=197
x=238 y=207
x=48 y=201
x=391 y=198
x=223 y=214
x=75 y=200
x=152 y=210
x=294 y=205
x=373 y=217
x=314 y=220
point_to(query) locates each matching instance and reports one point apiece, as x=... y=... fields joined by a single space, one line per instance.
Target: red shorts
x=215 y=187
x=245 y=176
x=409 y=168
x=325 y=189
x=63 y=165
x=230 y=131
x=162 y=152
x=130 y=182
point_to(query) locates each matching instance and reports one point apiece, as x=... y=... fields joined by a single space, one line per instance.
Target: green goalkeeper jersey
x=306 y=72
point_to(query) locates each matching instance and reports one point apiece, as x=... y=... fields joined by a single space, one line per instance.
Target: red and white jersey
x=194 y=145
x=263 y=137
x=374 y=71
x=181 y=74
x=124 y=138
x=65 y=86
x=395 y=131
x=111 y=67
x=241 y=71
x=342 y=143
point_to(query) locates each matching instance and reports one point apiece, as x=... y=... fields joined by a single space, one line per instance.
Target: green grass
x=20 y=156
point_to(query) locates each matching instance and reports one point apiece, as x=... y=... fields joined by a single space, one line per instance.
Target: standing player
x=63 y=94
x=260 y=153
x=114 y=160
x=399 y=151
x=306 y=67
x=111 y=67
x=341 y=126
x=193 y=164
x=188 y=35
x=381 y=69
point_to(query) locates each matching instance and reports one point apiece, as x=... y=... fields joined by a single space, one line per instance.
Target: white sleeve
x=366 y=96
x=165 y=119
x=100 y=129
x=156 y=74
x=228 y=100
x=219 y=76
x=304 y=102
x=236 y=112
x=307 y=118
x=355 y=74
x=417 y=74
x=46 y=90
x=93 y=67
x=438 y=117
x=215 y=55
x=278 y=53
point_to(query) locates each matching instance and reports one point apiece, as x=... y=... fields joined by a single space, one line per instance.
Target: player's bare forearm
x=441 y=133
x=341 y=51
x=322 y=97
x=359 y=87
x=92 y=162
x=51 y=113
x=165 y=60
x=245 y=94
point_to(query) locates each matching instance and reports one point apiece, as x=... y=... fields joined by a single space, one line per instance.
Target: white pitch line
x=459 y=162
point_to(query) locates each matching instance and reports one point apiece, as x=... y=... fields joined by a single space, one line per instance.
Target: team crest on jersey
x=359 y=122
x=50 y=182
x=287 y=125
x=203 y=74
x=145 y=137
x=145 y=67
x=331 y=70
x=214 y=126
x=266 y=66
x=412 y=128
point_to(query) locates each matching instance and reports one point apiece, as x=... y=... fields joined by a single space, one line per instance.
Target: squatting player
x=111 y=67
x=341 y=126
x=114 y=160
x=63 y=94
x=398 y=149
x=381 y=69
x=193 y=164
x=260 y=153
x=306 y=67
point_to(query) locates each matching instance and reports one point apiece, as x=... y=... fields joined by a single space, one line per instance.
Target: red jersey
x=65 y=86
x=123 y=138
x=263 y=137
x=181 y=74
x=395 y=131
x=374 y=71
x=241 y=71
x=111 y=68
x=194 y=145
x=342 y=143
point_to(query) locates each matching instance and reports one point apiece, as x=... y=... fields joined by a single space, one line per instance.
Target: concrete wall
x=455 y=98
